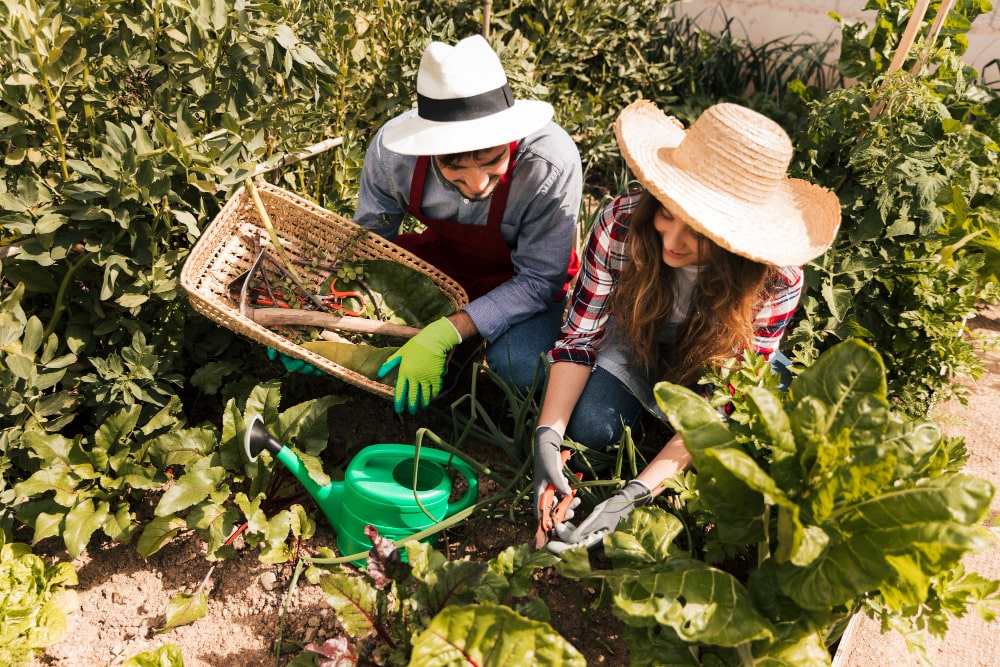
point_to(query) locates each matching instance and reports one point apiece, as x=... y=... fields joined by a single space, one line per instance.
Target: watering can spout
x=329 y=497
x=258 y=438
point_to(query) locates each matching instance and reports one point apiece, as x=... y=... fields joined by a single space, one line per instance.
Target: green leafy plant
x=168 y=655
x=431 y=611
x=32 y=602
x=798 y=512
x=919 y=185
x=725 y=65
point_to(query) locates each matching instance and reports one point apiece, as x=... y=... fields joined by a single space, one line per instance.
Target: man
x=497 y=186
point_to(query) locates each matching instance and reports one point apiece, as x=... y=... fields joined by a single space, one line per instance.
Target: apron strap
x=498 y=203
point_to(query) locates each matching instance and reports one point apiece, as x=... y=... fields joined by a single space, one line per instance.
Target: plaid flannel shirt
x=604 y=258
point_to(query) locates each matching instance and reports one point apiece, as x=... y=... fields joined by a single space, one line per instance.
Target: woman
x=702 y=264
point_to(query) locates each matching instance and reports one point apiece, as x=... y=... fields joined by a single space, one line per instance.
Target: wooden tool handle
x=293 y=316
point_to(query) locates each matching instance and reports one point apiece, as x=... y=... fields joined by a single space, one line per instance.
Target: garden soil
x=121 y=599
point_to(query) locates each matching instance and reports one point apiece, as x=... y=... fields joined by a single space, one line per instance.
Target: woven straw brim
x=794 y=224
x=412 y=135
x=307 y=232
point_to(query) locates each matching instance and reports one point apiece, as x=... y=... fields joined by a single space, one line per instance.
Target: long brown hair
x=719 y=324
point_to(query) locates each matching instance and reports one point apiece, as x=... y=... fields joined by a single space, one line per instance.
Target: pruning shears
x=551 y=513
x=335 y=300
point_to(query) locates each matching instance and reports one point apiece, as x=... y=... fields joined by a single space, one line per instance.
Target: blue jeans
x=518 y=354
x=607 y=406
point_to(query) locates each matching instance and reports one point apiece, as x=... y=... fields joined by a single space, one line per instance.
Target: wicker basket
x=309 y=233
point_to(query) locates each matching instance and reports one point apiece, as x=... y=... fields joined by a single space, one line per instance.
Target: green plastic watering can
x=378 y=489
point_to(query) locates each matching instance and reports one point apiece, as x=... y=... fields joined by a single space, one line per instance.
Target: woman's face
x=682 y=246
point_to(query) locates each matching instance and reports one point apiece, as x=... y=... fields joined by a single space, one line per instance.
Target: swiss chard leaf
x=492 y=636
x=363 y=359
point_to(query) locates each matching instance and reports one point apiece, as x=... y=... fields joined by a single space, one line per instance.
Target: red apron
x=476 y=257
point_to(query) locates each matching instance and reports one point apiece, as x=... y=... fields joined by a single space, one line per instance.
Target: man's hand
x=548 y=465
x=604 y=519
x=421 y=362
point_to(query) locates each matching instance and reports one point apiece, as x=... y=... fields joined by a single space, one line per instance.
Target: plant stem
x=764 y=548
x=745 y=654
x=275 y=240
x=284 y=610
x=426 y=532
x=53 y=111
x=59 y=306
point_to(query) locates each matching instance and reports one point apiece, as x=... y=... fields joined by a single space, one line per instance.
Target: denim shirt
x=539 y=222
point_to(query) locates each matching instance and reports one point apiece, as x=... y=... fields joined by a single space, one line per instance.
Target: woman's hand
x=603 y=520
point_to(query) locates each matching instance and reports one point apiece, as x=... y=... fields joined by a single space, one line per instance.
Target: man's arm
x=380 y=206
x=463 y=324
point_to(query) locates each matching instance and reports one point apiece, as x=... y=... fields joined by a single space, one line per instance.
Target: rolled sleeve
x=603 y=260
x=775 y=313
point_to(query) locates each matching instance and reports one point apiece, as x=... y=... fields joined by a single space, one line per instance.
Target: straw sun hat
x=726 y=178
x=463 y=104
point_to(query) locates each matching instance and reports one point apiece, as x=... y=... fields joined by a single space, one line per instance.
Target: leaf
x=81 y=522
x=306 y=423
x=658 y=645
x=168 y=655
x=794 y=644
x=197 y=482
x=354 y=600
x=453 y=582
x=185 y=608
x=645 y=538
x=363 y=359
x=32 y=596
x=704 y=436
x=850 y=379
x=515 y=567
x=953 y=497
x=700 y=603
x=404 y=295
x=47 y=525
x=158 y=533
x=337 y=651
x=490 y=636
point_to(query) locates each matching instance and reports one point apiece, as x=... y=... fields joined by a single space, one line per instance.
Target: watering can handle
x=448 y=459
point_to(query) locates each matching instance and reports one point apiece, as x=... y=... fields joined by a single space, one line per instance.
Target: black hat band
x=465 y=108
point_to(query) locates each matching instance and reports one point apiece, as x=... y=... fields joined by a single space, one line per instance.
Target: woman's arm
x=566 y=382
x=672 y=459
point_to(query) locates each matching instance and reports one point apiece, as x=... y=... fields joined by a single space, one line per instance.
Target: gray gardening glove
x=603 y=520
x=549 y=464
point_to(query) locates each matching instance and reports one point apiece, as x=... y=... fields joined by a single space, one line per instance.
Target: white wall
x=765 y=20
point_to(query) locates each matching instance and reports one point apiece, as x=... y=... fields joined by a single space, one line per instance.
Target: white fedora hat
x=463 y=104
x=727 y=177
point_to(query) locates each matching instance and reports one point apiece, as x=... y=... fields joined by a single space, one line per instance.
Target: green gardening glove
x=421 y=362
x=292 y=364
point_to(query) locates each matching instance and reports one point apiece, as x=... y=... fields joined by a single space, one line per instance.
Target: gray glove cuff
x=637 y=493
x=555 y=435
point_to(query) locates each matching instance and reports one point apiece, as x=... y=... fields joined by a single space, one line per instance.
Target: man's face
x=477 y=173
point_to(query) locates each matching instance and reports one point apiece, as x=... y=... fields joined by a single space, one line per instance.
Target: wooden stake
x=932 y=36
x=909 y=34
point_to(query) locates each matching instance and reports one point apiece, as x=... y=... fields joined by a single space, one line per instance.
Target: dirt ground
x=121 y=599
